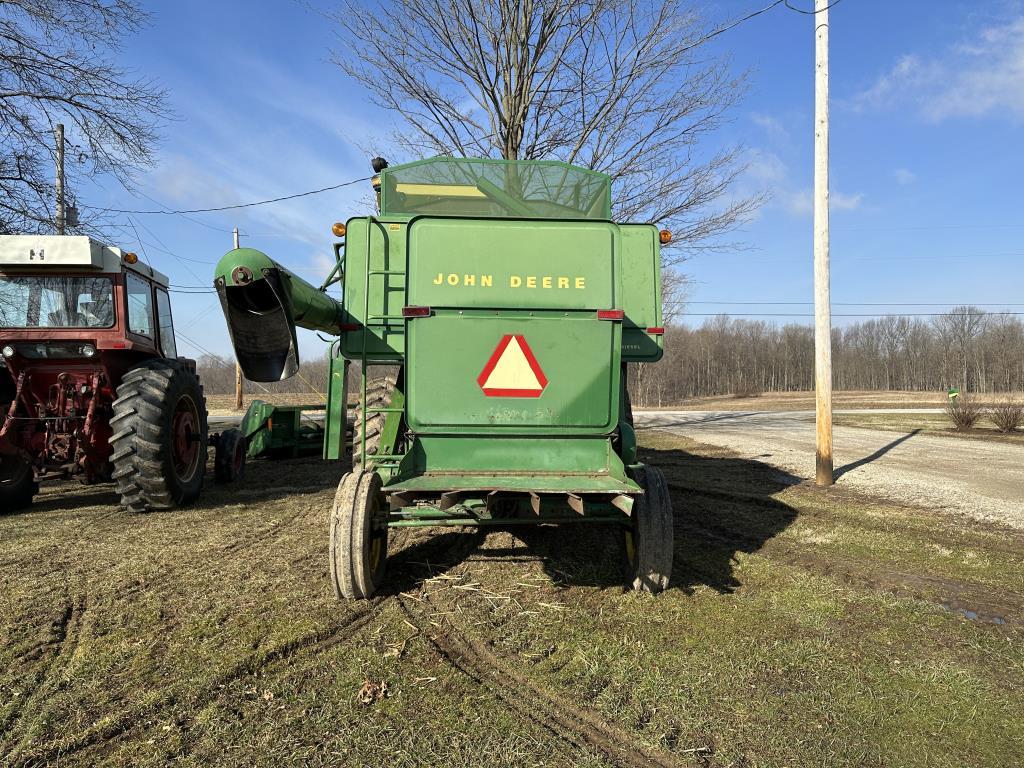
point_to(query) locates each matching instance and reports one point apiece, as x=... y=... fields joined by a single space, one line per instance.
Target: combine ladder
x=375 y=321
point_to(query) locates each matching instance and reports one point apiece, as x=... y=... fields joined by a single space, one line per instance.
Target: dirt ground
x=802 y=628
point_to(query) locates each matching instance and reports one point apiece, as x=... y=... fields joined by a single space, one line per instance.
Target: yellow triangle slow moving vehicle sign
x=512 y=371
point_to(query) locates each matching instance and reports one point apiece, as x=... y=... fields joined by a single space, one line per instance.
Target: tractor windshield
x=56 y=302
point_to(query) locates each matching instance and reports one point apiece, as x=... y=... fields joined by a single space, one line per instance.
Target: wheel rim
x=185 y=438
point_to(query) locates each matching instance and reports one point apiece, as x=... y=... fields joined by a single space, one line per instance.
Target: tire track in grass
x=128 y=720
x=576 y=726
x=67 y=631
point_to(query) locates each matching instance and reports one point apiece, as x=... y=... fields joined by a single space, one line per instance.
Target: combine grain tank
x=509 y=303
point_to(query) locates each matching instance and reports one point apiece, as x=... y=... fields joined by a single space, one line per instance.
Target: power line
x=238 y=205
x=811 y=13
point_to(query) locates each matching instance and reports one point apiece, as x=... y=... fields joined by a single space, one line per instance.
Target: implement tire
x=378 y=395
x=17 y=484
x=648 y=540
x=160 y=436
x=229 y=456
x=358 y=536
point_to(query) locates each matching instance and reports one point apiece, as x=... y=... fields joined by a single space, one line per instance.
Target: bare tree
x=617 y=86
x=959 y=328
x=57 y=65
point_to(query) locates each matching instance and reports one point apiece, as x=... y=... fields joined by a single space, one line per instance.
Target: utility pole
x=59 y=186
x=822 y=301
x=238 y=368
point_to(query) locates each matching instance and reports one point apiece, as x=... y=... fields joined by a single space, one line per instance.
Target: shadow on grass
x=723 y=506
x=264 y=480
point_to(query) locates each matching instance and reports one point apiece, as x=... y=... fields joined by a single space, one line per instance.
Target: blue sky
x=927 y=118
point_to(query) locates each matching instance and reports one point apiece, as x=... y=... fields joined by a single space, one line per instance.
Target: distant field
x=224 y=405
x=802 y=628
x=804 y=401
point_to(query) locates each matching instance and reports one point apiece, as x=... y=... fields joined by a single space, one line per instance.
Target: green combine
x=509 y=304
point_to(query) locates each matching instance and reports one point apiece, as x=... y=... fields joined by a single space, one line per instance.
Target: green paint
x=512 y=383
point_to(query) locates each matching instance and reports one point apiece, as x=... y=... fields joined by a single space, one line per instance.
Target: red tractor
x=91 y=383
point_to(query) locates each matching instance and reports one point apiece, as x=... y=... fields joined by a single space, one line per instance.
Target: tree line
x=965 y=348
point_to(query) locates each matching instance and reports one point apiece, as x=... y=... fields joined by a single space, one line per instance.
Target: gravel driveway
x=981 y=479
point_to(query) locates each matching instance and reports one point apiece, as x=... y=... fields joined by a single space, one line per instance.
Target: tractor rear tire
x=378 y=395
x=358 y=536
x=229 y=456
x=17 y=484
x=160 y=436
x=648 y=540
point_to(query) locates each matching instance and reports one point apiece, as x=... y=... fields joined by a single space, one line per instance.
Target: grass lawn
x=927 y=423
x=803 y=628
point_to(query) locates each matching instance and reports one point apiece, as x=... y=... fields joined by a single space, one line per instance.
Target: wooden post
x=238 y=368
x=822 y=303
x=59 y=185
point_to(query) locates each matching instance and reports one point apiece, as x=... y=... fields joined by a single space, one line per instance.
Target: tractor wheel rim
x=184 y=438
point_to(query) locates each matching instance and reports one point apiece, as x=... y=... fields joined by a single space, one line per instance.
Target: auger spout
x=263 y=303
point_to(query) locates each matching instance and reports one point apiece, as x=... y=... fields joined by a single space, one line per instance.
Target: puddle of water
x=967 y=613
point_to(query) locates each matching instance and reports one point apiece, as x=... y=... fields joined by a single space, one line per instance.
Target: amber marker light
x=338 y=229
x=131 y=258
x=665 y=237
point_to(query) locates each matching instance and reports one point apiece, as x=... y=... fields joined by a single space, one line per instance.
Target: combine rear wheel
x=229 y=456
x=159 y=439
x=359 y=536
x=648 y=539
x=17 y=483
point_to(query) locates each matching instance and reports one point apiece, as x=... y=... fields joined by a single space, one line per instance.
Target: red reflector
x=118 y=345
x=610 y=314
x=415 y=311
x=349 y=326
x=656 y=331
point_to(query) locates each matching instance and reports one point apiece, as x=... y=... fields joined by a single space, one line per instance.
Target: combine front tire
x=359 y=536
x=648 y=539
x=159 y=439
x=17 y=483
x=229 y=456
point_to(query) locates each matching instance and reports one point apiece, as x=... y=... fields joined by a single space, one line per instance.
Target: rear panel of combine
x=512 y=379
x=512 y=303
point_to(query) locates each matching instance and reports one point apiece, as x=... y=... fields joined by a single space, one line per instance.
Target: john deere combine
x=509 y=303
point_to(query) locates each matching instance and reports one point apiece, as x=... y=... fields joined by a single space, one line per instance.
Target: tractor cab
x=74 y=299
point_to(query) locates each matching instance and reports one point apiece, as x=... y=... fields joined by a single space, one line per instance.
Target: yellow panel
x=446 y=190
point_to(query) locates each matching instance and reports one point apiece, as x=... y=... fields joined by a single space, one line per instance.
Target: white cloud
x=798 y=203
x=801 y=202
x=772 y=125
x=766 y=172
x=904 y=176
x=840 y=201
x=975 y=77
